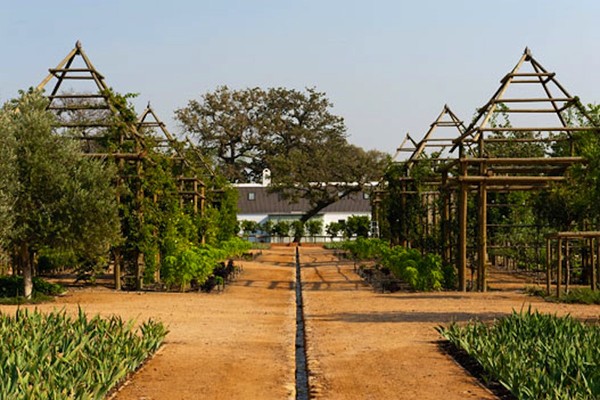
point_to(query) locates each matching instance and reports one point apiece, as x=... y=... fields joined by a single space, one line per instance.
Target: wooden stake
x=559 y=269
x=548 y=266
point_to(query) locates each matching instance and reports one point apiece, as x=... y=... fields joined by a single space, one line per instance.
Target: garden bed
x=47 y=356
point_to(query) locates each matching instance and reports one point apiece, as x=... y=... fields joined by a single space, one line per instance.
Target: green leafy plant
x=580 y=296
x=12 y=286
x=421 y=272
x=56 y=356
x=533 y=355
x=186 y=263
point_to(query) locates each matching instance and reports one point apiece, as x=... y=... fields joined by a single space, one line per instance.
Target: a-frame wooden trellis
x=191 y=187
x=87 y=111
x=436 y=199
x=540 y=119
x=407 y=146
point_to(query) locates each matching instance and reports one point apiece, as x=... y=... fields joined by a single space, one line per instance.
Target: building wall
x=327 y=218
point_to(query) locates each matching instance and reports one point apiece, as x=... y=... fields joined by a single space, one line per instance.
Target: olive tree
x=58 y=198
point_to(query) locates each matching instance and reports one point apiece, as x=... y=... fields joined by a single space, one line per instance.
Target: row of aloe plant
x=56 y=356
x=534 y=355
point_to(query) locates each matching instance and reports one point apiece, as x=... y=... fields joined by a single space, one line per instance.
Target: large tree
x=228 y=126
x=59 y=198
x=291 y=132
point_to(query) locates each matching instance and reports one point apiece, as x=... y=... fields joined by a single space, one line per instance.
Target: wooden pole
x=425 y=241
x=482 y=239
x=548 y=265
x=139 y=262
x=593 y=265
x=445 y=220
x=597 y=262
x=482 y=224
x=559 y=269
x=195 y=197
x=567 y=265
x=462 y=237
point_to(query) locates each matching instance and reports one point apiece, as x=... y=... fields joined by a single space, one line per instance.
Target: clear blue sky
x=388 y=66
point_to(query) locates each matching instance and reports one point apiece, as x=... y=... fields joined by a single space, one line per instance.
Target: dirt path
x=234 y=345
x=365 y=345
x=361 y=344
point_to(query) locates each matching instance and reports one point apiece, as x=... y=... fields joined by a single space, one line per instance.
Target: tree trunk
x=297 y=238
x=27 y=271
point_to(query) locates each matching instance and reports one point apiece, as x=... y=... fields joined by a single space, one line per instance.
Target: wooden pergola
x=483 y=170
x=558 y=251
x=88 y=111
x=191 y=187
x=478 y=160
x=437 y=202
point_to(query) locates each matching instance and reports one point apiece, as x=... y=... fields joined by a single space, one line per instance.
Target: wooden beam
x=510 y=179
x=523 y=161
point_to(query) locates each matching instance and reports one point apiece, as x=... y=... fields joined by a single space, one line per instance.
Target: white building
x=255 y=203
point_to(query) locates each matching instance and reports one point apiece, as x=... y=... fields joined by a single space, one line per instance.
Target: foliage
x=534 y=355
x=12 y=286
x=420 y=272
x=580 y=296
x=249 y=227
x=228 y=126
x=61 y=199
x=186 y=262
x=298 y=229
x=335 y=245
x=220 y=215
x=401 y=212
x=293 y=133
x=54 y=356
x=357 y=225
x=267 y=227
x=8 y=183
x=583 y=180
x=367 y=249
x=334 y=228
x=573 y=205
x=314 y=227
x=512 y=148
x=282 y=228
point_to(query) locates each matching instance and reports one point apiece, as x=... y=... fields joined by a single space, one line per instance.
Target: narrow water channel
x=302 y=392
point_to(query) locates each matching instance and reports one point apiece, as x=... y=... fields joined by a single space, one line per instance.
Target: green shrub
x=581 y=296
x=420 y=272
x=186 y=263
x=12 y=286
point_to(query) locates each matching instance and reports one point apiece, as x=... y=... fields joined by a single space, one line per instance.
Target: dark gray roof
x=272 y=203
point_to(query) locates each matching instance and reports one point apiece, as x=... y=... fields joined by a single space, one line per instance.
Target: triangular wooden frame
x=479 y=127
x=100 y=100
x=446 y=119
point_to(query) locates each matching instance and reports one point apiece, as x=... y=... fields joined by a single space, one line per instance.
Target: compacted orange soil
x=367 y=345
x=239 y=344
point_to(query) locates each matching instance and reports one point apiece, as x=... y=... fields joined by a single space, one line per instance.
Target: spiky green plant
x=56 y=356
x=534 y=355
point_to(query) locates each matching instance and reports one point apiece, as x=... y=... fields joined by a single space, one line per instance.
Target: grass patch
x=55 y=356
x=533 y=355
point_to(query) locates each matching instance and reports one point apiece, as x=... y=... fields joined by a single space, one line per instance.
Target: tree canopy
x=293 y=133
x=56 y=197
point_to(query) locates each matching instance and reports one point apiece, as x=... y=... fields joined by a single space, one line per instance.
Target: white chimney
x=266 y=177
